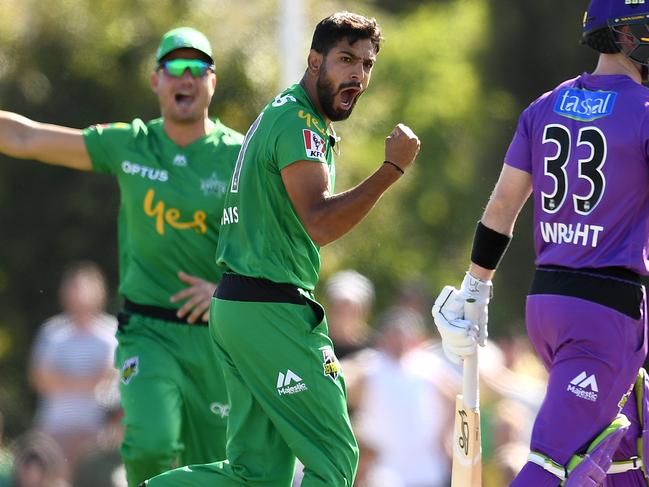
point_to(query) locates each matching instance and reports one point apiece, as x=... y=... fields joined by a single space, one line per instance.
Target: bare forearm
x=23 y=138
x=14 y=130
x=512 y=190
x=338 y=214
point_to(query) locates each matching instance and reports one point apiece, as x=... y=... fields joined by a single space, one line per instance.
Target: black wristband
x=393 y=164
x=489 y=247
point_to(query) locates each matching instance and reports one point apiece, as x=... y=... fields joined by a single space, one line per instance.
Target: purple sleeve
x=519 y=152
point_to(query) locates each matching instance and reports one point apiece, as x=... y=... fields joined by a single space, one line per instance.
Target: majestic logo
x=212 y=185
x=145 y=172
x=180 y=160
x=330 y=363
x=314 y=145
x=129 y=369
x=584 y=105
x=579 y=385
x=284 y=382
x=219 y=409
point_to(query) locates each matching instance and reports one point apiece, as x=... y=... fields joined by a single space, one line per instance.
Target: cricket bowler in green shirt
x=287 y=391
x=173 y=174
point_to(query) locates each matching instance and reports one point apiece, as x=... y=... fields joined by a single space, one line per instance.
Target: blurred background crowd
x=401 y=391
x=457 y=71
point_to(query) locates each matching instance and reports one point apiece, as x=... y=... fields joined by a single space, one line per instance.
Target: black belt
x=235 y=287
x=614 y=287
x=157 y=312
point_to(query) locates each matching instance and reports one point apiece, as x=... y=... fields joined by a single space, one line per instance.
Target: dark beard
x=326 y=93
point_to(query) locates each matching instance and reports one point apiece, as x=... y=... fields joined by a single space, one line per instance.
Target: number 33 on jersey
x=571 y=140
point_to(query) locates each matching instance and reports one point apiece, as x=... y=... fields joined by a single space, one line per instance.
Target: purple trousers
x=592 y=353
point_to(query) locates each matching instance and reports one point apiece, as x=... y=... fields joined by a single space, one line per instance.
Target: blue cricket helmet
x=602 y=28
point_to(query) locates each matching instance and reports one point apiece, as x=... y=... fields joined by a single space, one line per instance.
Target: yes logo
x=171 y=216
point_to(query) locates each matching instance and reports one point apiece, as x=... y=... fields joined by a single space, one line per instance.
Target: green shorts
x=173 y=395
x=286 y=390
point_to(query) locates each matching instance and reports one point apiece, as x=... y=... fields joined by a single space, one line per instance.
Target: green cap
x=183 y=37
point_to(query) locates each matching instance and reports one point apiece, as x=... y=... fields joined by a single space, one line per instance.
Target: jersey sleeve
x=519 y=154
x=105 y=142
x=299 y=138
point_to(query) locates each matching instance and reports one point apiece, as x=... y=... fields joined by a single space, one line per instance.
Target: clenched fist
x=401 y=146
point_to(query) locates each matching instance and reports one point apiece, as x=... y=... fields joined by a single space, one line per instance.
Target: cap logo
x=633 y=2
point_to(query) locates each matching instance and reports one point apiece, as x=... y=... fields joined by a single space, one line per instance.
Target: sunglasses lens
x=177 y=67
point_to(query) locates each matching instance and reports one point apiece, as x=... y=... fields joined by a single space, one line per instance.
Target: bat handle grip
x=470 y=371
x=470 y=380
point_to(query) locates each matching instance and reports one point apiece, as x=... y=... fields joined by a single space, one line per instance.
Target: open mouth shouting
x=184 y=99
x=348 y=97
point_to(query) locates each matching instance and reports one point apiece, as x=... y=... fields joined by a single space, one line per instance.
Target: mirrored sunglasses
x=177 y=67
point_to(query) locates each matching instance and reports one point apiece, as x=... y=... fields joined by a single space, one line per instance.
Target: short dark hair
x=602 y=40
x=345 y=25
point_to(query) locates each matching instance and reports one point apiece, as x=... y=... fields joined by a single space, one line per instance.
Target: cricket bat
x=467 y=449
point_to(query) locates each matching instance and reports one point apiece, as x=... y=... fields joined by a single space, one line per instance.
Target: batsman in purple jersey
x=582 y=151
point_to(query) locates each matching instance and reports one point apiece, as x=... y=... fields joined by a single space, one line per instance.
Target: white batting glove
x=459 y=336
x=476 y=294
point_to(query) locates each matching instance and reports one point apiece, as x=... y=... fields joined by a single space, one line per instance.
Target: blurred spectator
x=102 y=466
x=511 y=391
x=72 y=359
x=414 y=294
x=349 y=297
x=370 y=473
x=405 y=402
x=38 y=462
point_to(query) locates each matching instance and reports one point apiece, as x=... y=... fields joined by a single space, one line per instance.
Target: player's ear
x=314 y=61
x=155 y=79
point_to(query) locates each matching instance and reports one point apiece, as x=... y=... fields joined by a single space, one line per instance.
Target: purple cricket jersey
x=586 y=145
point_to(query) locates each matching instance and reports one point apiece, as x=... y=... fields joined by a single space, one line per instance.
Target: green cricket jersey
x=261 y=234
x=171 y=203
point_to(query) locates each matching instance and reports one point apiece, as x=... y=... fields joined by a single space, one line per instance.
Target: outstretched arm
x=23 y=138
x=328 y=217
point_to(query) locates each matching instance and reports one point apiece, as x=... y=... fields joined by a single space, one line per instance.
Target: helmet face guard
x=633 y=41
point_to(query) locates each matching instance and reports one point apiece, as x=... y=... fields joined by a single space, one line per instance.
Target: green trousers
x=173 y=396
x=288 y=400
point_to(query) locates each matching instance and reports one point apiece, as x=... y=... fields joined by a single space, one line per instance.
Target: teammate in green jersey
x=173 y=173
x=286 y=388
